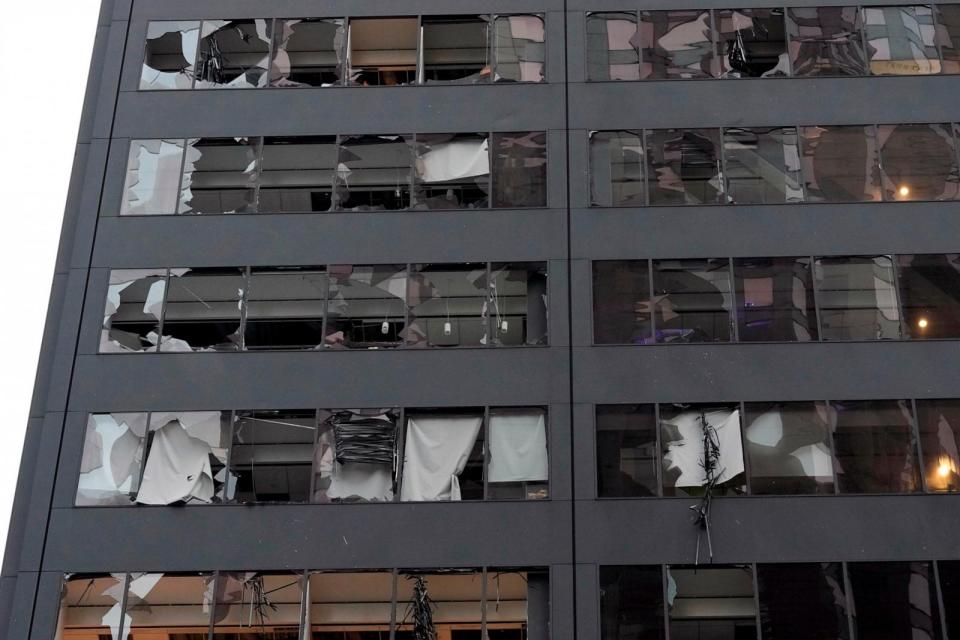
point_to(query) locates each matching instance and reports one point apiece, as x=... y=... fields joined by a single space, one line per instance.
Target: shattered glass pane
x=517 y=603
x=356 y=455
x=752 y=43
x=203 y=310
x=918 y=162
x=457 y=597
x=676 y=44
x=626 y=451
x=153 y=177
x=374 y=173
x=220 y=175
x=131 y=314
x=250 y=605
x=692 y=300
x=285 y=308
x=948 y=36
x=518 y=465
x=91 y=606
x=875 y=447
x=775 y=300
x=307 y=53
x=930 y=295
x=711 y=602
x=684 y=166
x=901 y=40
x=518 y=48
x=158 y=601
x=297 y=174
x=455 y=50
x=939 y=423
x=802 y=600
x=631 y=603
x=171 y=52
x=520 y=169
x=518 y=304
x=234 y=54
x=272 y=455
x=366 y=308
x=449 y=305
x=337 y=600
x=762 y=165
x=857 y=297
x=383 y=51
x=616 y=169
x=788 y=445
x=453 y=171
x=443 y=457
x=894 y=600
x=826 y=41
x=112 y=459
x=840 y=164
x=622 y=306
x=684 y=430
x=613 y=46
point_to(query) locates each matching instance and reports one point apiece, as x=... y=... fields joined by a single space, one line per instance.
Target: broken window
x=374 y=173
x=676 y=44
x=91 y=606
x=285 y=308
x=948 y=36
x=307 y=53
x=131 y=314
x=518 y=48
x=711 y=602
x=339 y=603
x=775 y=300
x=762 y=165
x=453 y=171
x=616 y=168
x=366 y=308
x=631 y=603
x=158 y=602
x=875 y=446
x=250 y=605
x=518 y=468
x=950 y=590
x=930 y=295
x=517 y=303
x=752 y=43
x=153 y=177
x=517 y=604
x=788 y=447
x=272 y=455
x=622 y=305
x=449 y=305
x=297 y=174
x=894 y=600
x=918 y=162
x=802 y=600
x=382 y=51
x=697 y=436
x=613 y=46
x=456 y=596
x=203 y=310
x=443 y=457
x=626 y=451
x=112 y=459
x=692 y=300
x=901 y=40
x=826 y=41
x=233 y=54
x=356 y=456
x=171 y=52
x=857 y=297
x=840 y=164
x=520 y=169
x=939 y=426
x=220 y=175
x=455 y=50
x=684 y=166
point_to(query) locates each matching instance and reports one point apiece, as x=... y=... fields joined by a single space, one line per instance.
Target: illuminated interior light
x=922 y=323
x=904 y=191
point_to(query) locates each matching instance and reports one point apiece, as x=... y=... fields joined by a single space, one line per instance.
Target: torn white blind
x=686 y=453
x=178 y=468
x=436 y=452
x=455 y=160
x=518 y=446
x=364 y=481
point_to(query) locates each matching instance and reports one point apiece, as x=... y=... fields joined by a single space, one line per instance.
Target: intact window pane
x=939 y=426
x=90 y=605
x=453 y=171
x=762 y=165
x=518 y=304
x=788 y=445
x=443 y=458
x=249 y=605
x=631 y=603
x=802 y=601
x=930 y=295
x=356 y=456
x=875 y=447
x=112 y=459
x=449 y=305
x=616 y=168
x=692 y=300
x=520 y=169
x=202 y=312
x=711 y=602
x=826 y=41
x=840 y=164
x=308 y=53
x=901 y=40
x=752 y=43
x=518 y=466
x=626 y=450
x=153 y=177
x=676 y=44
x=297 y=174
x=171 y=51
x=131 y=313
x=613 y=46
x=220 y=175
x=858 y=298
x=918 y=162
x=366 y=308
x=775 y=301
x=948 y=36
x=383 y=51
x=455 y=50
x=622 y=305
x=950 y=589
x=894 y=600
x=272 y=455
x=684 y=166
x=234 y=54
x=285 y=308
x=684 y=430
x=519 y=48
x=374 y=173
x=361 y=600
x=161 y=602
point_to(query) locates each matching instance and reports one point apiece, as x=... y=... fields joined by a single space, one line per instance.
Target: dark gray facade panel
x=8 y=586
x=81 y=158
x=91 y=102
x=41 y=492
x=22 y=607
x=22 y=499
x=71 y=452
x=562 y=602
x=588 y=600
x=47 y=606
x=585 y=452
x=83 y=216
x=64 y=350
x=109 y=84
x=41 y=385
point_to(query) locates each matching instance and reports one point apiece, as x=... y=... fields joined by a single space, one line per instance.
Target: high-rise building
x=518 y=319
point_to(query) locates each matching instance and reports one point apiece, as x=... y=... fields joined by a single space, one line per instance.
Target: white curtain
x=436 y=452
x=178 y=468
x=518 y=446
x=686 y=454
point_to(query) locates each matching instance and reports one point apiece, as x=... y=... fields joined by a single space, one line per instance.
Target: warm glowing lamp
x=944 y=469
x=904 y=191
x=922 y=323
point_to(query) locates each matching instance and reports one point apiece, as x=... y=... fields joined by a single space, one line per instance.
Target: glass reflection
x=930 y=295
x=220 y=175
x=901 y=40
x=677 y=44
x=631 y=603
x=307 y=53
x=875 y=447
x=616 y=168
x=918 y=162
x=826 y=41
x=752 y=43
x=153 y=176
x=857 y=297
x=800 y=601
x=520 y=169
x=626 y=450
x=171 y=51
x=939 y=425
x=775 y=300
x=613 y=46
x=684 y=166
x=692 y=300
x=894 y=600
x=366 y=306
x=622 y=307
x=788 y=445
x=762 y=165
x=840 y=164
x=518 y=48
